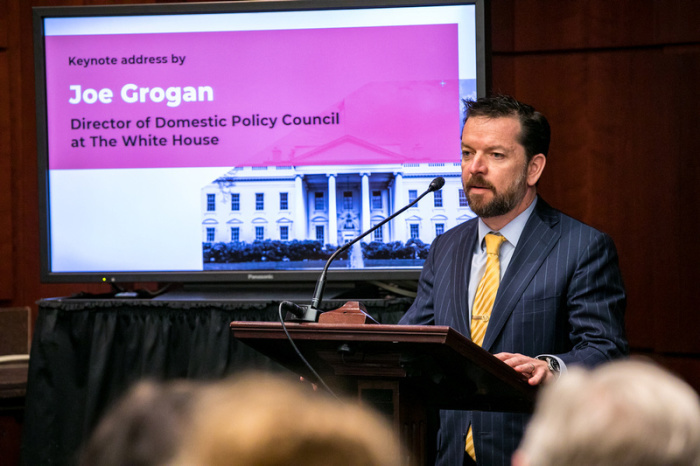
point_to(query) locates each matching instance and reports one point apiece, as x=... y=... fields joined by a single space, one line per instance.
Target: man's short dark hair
x=535 y=132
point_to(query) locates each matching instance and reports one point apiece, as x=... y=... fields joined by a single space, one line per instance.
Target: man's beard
x=502 y=203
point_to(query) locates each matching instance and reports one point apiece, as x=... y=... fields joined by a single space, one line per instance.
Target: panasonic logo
x=268 y=276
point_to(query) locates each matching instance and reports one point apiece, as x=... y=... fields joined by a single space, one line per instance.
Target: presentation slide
x=147 y=101
x=141 y=118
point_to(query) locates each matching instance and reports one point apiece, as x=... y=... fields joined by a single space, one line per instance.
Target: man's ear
x=535 y=169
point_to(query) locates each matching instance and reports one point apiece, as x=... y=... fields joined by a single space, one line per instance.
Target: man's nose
x=477 y=164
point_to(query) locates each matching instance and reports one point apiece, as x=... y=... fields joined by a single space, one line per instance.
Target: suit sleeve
x=596 y=303
x=422 y=311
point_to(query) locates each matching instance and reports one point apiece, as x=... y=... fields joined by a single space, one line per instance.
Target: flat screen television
x=246 y=141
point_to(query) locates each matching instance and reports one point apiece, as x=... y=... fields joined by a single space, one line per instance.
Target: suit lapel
x=535 y=244
x=460 y=291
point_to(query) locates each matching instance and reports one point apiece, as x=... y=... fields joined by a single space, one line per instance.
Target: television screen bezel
x=483 y=68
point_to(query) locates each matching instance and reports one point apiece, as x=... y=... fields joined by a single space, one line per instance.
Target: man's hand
x=534 y=370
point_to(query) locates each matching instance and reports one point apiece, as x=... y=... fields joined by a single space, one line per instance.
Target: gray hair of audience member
x=143 y=428
x=263 y=420
x=628 y=412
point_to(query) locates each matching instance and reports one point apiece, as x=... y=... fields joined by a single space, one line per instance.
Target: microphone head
x=436 y=184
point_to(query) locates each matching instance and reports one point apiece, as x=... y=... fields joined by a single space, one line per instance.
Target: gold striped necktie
x=483 y=303
x=487 y=289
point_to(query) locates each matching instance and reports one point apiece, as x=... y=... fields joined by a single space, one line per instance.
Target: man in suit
x=560 y=301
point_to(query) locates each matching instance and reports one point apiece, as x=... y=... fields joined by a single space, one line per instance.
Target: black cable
x=301 y=356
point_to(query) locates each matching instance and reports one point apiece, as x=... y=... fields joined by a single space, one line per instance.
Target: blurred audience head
x=622 y=413
x=143 y=428
x=261 y=420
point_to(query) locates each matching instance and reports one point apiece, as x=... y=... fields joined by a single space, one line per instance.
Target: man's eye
x=466 y=155
x=498 y=155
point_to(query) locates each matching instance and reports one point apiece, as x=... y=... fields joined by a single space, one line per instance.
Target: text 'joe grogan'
x=131 y=93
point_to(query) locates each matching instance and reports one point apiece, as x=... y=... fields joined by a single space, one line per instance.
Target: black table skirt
x=86 y=353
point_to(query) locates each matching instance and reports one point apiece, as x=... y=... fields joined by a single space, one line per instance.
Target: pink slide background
x=394 y=89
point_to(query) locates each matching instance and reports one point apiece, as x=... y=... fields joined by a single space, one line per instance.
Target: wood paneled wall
x=5 y=160
x=619 y=84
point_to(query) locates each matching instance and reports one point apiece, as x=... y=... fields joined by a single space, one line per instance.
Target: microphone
x=311 y=312
x=298 y=311
x=435 y=185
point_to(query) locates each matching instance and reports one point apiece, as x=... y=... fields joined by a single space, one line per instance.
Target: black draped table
x=87 y=352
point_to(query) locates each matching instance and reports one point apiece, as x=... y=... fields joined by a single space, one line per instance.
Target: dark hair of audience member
x=143 y=428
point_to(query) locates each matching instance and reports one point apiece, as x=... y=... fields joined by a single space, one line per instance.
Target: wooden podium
x=402 y=370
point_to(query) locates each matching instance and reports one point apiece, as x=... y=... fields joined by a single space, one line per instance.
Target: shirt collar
x=512 y=230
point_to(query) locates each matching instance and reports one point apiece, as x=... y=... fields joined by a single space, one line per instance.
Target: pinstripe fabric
x=562 y=294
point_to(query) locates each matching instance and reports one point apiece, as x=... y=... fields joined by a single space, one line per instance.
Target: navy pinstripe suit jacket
x=562 y=294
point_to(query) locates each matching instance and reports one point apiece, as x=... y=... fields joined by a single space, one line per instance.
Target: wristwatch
x=552 y=364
